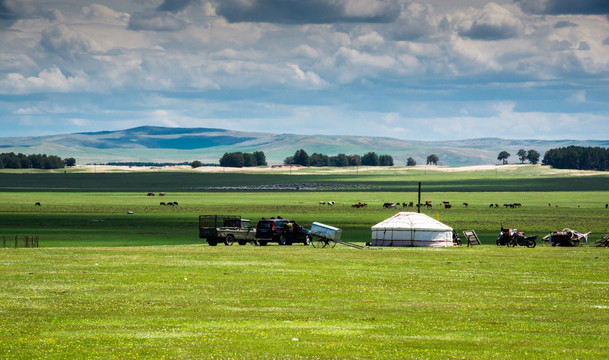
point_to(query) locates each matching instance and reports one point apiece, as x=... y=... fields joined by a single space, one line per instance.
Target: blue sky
x=426 y=70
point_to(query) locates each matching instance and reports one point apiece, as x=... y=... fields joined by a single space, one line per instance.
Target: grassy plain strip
x=513 y=179
x=101 y=219
x=298 y=302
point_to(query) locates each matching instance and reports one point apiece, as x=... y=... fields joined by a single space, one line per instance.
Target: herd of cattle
x=411 y=204
x=428 y=204
x=387 y=205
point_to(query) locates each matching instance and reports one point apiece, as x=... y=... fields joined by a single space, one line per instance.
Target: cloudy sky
x=426 y=70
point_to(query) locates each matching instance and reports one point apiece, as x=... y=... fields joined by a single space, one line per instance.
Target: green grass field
x=195 y=301
x=106 y=284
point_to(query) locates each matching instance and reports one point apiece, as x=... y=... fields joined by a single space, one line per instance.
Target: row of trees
x=341 y=160
x=532 y=156
x=240 y=159
x=34 y=161
x=578 y=157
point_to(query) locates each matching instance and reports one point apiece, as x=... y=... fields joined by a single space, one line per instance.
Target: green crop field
x=112 y=285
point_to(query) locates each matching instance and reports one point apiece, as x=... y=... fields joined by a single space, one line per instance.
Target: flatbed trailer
x=226 y=229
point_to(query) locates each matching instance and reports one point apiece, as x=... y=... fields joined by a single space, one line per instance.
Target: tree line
x=240 y=159
x=578 y=157
x=301 y=157
x=34 y=161
x=532 y=156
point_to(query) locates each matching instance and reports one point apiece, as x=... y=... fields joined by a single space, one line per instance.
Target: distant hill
x=162 y=144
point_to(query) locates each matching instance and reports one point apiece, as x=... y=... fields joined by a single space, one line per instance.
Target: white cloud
x=308 y=78
x=359 y=56
x=104 y=14
x=48 y=80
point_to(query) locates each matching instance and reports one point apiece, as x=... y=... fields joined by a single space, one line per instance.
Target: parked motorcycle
x=520 y=240
x=505 y=235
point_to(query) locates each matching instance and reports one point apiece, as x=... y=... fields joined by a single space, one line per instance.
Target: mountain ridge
x=176 y=144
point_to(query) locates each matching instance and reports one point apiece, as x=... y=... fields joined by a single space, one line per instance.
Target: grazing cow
x=331 y=203
x=550 y=204
x=161 y=194
x=447 y=206
x=428 y=203
x=150 y=194
x=445 y=202
x=130 y=212
x=162 y=203
x=175 y=203
x=359 y=205
x=606 y=206
x=37 y=204
x=322 y=203
x=492 y=205
x=465 y=204
x=508 y=205
x=496 y=206
x=389 y=205
x=517 y=204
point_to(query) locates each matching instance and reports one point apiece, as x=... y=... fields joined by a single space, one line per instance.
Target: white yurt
x=411 y=229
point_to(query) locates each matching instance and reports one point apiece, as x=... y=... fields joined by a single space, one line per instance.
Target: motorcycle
x=505 y=235
x=520 y=240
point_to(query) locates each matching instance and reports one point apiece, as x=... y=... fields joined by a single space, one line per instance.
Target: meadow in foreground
x=277 y=302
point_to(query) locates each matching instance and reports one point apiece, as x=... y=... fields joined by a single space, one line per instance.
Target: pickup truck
x=226 y=229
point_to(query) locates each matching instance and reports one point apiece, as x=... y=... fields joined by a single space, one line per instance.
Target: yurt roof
x=410 y=221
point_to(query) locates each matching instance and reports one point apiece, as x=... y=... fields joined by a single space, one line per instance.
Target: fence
x=17 y=241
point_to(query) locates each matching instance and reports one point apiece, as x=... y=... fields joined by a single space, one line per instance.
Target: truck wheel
x=229 y=240
x=283 y=240
x=307 y=240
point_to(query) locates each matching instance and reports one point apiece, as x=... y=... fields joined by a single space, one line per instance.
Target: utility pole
x=419 y=203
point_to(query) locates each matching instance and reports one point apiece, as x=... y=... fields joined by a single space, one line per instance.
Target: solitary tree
x=503 y=156
x=195 y=164
x=70 y=162
x=432 y=159
x=410 y=162
x=533 y=156
x=522 y=155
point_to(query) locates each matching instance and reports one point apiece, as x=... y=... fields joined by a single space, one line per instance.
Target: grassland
x=192 y=302
x=106 y=284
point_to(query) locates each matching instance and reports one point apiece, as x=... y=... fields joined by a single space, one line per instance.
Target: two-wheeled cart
x=325 y=235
